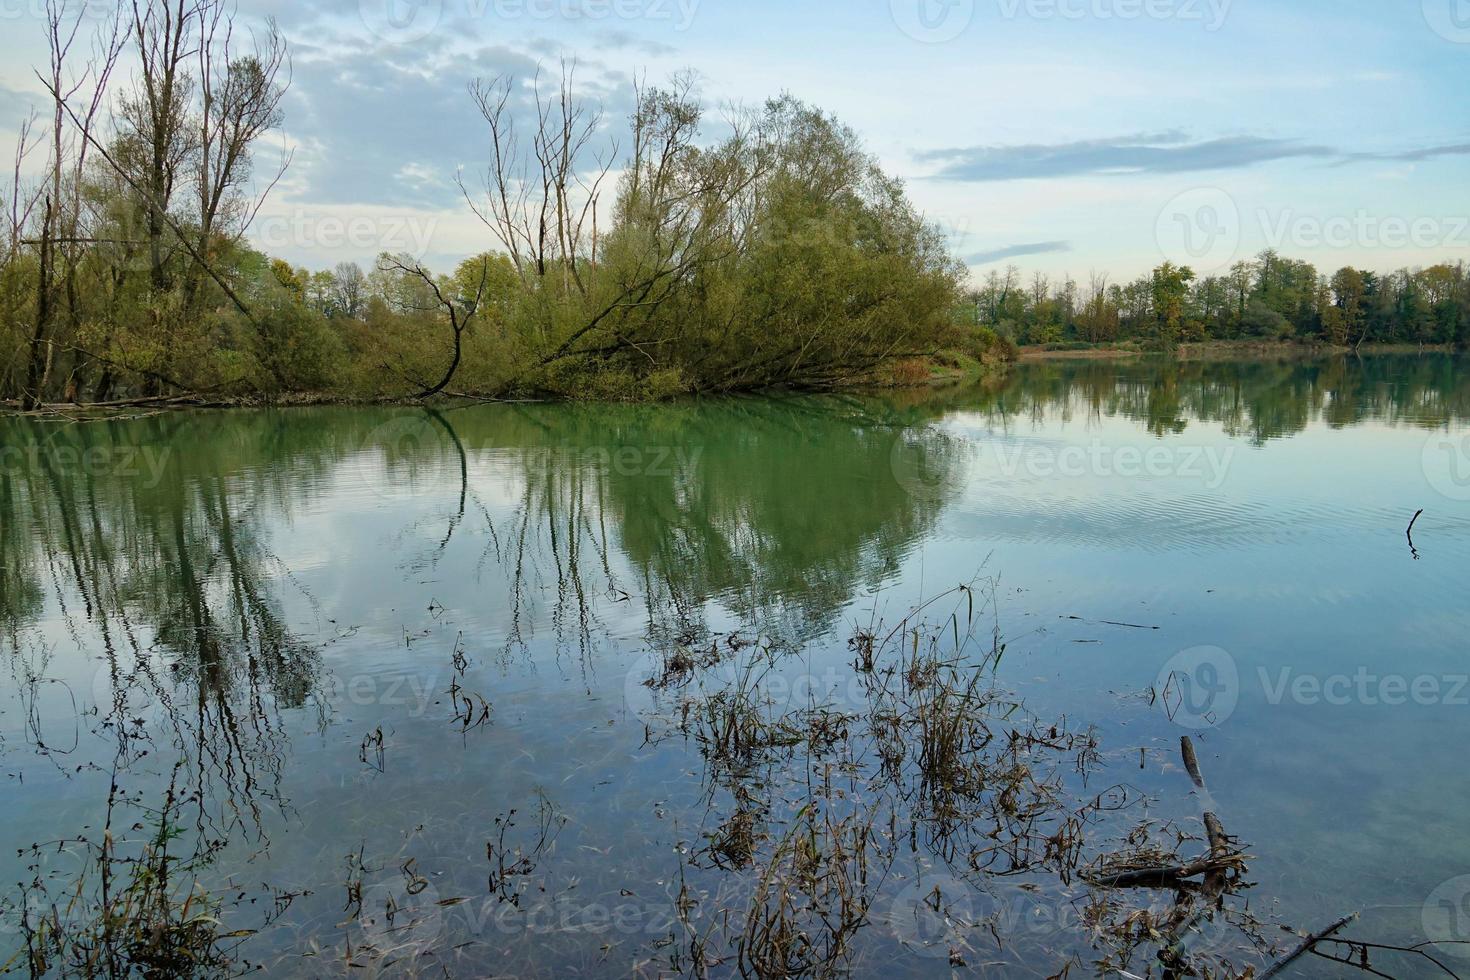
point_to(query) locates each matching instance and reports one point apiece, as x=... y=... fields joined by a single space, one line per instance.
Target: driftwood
x=1215 y=865
x=1191 y=761
x=65 y=410
x=1171 y=876
x=1307 y=946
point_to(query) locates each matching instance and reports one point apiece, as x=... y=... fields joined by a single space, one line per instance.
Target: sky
x=1067 y=137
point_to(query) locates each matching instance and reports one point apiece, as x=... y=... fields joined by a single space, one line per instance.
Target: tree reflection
x=146 y=544
x=1258 y=400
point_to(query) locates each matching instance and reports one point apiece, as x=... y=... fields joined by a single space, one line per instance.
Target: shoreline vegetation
x=663 y=255
x=1265 y=350
x=943 y=372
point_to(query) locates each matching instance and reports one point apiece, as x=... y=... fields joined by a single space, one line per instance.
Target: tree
x=1170 y=290
x=459 y=307
x=1349 y=289
x=348 y=290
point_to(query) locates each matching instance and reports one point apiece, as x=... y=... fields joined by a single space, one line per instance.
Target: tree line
x=671 y=254
x=1269 y=298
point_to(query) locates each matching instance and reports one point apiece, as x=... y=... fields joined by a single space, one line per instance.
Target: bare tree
x=240 y=102
x=541 y=205
x=461 y=310
x=156 y=113
x=20 y=204
x=59 y=240
x=348 y=289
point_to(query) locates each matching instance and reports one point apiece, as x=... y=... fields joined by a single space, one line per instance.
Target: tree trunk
x=38 y=363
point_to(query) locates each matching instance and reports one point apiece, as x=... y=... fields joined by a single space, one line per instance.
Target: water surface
x=403 y=658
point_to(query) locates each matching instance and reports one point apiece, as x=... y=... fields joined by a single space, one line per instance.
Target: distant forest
x=1270 y=298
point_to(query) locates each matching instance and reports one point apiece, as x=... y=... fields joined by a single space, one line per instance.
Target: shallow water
x=356 y=640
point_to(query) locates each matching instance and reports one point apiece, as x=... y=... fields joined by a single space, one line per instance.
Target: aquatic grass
x=130 y=910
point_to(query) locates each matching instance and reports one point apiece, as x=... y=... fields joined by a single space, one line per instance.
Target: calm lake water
x=572 y=690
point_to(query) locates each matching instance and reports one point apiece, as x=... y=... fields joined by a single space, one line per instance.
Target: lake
x=785 y=684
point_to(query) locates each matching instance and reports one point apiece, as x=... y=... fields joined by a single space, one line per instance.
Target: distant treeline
x=1272 y=298
x=632 y=261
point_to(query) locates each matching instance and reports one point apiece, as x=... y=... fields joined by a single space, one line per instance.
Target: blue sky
x=1065 y=136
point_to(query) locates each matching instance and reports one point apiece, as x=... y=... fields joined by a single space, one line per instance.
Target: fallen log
x=1172 y=876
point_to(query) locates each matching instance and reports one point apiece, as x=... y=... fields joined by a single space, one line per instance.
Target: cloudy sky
x=1064 y=136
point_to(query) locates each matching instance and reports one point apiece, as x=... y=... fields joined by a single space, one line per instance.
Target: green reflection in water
x=208 y=587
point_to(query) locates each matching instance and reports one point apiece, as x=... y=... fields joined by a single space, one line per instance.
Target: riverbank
x=1223 y=350
x=945 y=370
